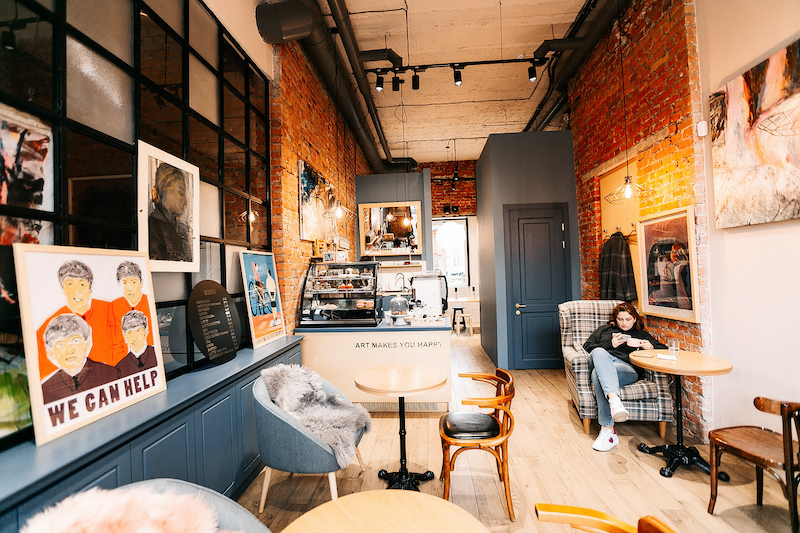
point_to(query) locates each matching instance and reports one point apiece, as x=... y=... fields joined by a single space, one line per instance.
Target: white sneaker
x=606 y=440
x=618 y=411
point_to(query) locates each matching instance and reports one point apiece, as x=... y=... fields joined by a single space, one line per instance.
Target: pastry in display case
x=340 y=294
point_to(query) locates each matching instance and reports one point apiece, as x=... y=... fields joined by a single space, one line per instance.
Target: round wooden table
x=392 y=511
x=401 y=381
x=686 y=364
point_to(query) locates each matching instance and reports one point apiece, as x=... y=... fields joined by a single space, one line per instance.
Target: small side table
x=401 y=381
x=687 y=364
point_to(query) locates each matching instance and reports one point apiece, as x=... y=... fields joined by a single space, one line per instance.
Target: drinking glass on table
x=673 y=346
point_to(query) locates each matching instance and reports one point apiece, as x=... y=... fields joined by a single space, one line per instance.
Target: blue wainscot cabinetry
x=199 y=430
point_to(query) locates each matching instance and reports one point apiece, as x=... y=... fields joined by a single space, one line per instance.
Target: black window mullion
x=60 y=232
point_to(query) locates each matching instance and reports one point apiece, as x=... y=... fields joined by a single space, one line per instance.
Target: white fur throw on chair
x=136 y=510
x=299 y=392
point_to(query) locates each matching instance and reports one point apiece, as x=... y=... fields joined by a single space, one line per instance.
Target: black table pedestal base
x=404 y=480
x=678 y=455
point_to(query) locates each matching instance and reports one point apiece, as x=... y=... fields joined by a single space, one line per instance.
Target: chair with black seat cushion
x=471 y=430
x=766 y=449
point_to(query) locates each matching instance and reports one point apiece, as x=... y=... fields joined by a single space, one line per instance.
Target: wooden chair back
x=597 y=521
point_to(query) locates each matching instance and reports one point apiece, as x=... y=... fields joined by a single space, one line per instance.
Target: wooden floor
x=552 y=461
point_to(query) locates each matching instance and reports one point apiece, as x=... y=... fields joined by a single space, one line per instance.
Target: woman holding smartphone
x=609 y=349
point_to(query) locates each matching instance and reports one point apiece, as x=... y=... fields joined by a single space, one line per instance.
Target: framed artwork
x=264 y=309
x=390 y=228
x=90 y=334
x=168 y=210
x=316 y=198
x=755 y=144
x=668 y=265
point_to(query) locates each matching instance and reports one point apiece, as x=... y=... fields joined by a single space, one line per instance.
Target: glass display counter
x=340 y=294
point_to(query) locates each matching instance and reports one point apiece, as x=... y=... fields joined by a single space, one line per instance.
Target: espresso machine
x=430 y=289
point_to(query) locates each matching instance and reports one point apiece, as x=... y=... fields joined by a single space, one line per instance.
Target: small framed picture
x=168 y=210
x=264 y=309
x=668 y=265
x=90 y=333
x=328 y=257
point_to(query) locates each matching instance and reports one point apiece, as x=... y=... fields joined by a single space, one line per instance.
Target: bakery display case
x=340 y=294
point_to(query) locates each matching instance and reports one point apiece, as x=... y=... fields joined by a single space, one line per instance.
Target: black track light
x=379 y=84
x=8 y=40
x=415 y=81
x=395 y=83
x=532 y=73
x=457 y=77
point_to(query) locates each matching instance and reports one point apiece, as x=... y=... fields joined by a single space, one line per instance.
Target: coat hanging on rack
x=616 y=270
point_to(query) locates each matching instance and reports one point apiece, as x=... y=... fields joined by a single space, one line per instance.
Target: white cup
x=674 y=346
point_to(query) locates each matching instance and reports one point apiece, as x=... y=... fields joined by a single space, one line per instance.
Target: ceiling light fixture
x=379 y=83
x=532 y=73
x=415 y=81
x=396 y=83
x=628 y=192
x=456 y=77
x=8 y=40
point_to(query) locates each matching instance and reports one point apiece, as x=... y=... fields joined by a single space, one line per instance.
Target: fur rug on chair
x=298 y=391
x=135 y=510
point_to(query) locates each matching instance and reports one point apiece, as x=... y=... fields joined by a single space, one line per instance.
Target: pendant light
x=628 y=192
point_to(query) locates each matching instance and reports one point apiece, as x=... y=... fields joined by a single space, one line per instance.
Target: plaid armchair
x=647 y=399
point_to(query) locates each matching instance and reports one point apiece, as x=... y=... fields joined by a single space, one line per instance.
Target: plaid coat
x=616 y=270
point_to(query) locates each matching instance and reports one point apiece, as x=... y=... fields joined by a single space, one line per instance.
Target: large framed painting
x=169 y=210
x=264 y=308
x=90 y=334
x=390 y=228
x=316 y=198
x=755 y=143
x=668 y=264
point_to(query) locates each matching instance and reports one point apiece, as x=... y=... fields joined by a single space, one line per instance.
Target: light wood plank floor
x=552 y=461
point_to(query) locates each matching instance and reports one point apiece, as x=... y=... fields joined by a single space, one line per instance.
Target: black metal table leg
x=678 y=455
x=403 y=479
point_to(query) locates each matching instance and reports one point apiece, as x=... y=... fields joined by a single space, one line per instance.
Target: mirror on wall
x=390 y=228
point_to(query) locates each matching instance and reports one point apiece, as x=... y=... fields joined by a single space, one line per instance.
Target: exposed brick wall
x=662 y=102
x=305 y=125
x=442 y=192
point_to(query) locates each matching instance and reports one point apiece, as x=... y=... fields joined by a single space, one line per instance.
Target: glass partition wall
x=92 y=78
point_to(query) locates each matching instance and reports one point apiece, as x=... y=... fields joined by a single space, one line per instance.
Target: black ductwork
x=385 y=54
x=589 y=41
x=281 y=21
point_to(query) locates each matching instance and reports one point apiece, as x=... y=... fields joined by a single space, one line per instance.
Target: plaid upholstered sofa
x=648 y=399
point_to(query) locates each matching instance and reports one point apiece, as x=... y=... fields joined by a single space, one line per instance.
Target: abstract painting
x=316 y=199
x=169 y=210
x=90 y=334
x=755 y=127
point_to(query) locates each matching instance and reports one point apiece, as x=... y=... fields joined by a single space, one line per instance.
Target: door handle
x=519 y=306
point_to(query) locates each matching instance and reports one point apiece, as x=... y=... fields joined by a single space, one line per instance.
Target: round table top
x=387 y=511
x=687 y=364
x=400 y=380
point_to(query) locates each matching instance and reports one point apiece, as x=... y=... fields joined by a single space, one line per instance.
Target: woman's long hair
x=631 y=310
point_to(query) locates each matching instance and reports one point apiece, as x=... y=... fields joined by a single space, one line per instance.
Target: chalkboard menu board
x=214 y=321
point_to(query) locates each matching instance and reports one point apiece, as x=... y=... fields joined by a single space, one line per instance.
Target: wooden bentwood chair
x=764 y=448
x=481 y=431
x=594 y=521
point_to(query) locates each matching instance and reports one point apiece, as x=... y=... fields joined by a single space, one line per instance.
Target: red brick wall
x=442 y=192
x=662 y=101
x=305 y=125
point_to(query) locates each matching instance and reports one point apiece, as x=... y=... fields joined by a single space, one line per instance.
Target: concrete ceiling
x=440 y=121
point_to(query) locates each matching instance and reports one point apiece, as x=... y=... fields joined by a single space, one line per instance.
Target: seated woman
x=609 y=350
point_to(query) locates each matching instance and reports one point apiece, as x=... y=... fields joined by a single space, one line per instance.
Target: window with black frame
x=78 y=86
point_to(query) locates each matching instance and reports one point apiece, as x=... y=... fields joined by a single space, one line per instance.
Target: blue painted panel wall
x=519 y=168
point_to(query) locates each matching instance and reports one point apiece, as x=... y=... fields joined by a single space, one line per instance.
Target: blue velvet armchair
x=288 y=446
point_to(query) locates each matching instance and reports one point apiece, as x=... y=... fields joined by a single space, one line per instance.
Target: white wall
x=239 y=18
x=754 y=271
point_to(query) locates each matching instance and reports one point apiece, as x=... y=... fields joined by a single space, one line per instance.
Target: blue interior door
x=536 y=245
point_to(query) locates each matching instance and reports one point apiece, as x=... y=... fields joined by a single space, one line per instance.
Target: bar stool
x=455 y=319
x=466 y=318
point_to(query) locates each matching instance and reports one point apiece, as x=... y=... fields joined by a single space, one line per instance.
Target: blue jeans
x=608 y=375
